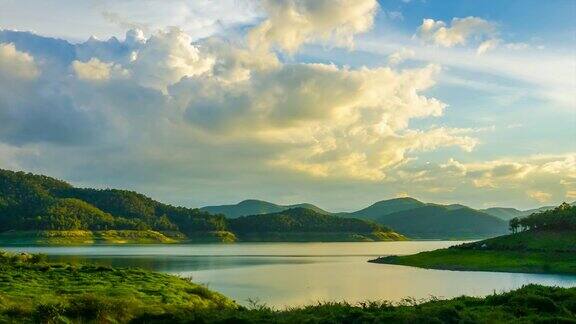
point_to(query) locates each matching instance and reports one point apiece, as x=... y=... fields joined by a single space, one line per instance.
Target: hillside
x=429 y=222
x=40 y=209
x=509 y=213
x=302 y=224
x=503 y=213
x=408 y=216
x=545 y=244
x=34 y=291
x=256 y=207
x=38 y=204
x=386 y=207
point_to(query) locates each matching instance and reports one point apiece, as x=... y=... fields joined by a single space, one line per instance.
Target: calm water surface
x=288 y=274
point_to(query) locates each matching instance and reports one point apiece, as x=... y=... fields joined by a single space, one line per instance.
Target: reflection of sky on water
x=281 y=274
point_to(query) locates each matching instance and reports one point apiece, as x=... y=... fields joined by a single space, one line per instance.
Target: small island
x=543 y=242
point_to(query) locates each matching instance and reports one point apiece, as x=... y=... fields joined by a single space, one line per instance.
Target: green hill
x=40 y=209
x=546 y=244
x=503 y=213
x=302 y=224
x=44 y=208
x=256 y=207
x=432 y=222
x=408 y=216
x=509 y=213
x=386 y=207
x=417 y=219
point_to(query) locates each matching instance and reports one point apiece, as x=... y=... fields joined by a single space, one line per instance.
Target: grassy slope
x=77 y=237
x=531 y=252
x=32 y=291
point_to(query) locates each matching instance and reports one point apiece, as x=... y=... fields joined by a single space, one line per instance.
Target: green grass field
x=33 y=291
x=531 y=252
x=81 y=237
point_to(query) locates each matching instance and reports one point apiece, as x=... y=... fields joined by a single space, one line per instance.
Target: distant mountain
x=509 y=213
x=408 y=216
x=302 y=224
x=256 y=207
x=40 y=209
x=504 y=213
x=385 y=207
x=438 y=222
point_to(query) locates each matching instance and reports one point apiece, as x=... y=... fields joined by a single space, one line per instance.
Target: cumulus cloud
x=400 y=56
x=549 y=177
x=16 y=64
x=459 y=32
x=291 y=23
x=95 y=70
x=225 y=109
x=166 y=58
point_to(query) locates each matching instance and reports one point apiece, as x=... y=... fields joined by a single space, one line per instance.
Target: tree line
x=561 y=218
x=32 y=202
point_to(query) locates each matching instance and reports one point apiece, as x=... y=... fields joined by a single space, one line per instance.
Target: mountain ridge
x=41 y=209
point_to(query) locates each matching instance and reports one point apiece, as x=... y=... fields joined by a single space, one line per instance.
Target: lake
x=290 y=274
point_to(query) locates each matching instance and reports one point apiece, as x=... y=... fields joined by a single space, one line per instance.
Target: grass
x=78 y=237
x=501 y=261
x=84 y=237
x=530 y=304
x=33 y=291
x=530 y=252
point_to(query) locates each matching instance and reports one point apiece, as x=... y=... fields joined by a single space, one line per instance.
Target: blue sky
x=336 y=103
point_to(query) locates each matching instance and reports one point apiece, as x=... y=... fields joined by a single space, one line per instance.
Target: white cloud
x=400 y=56
x=16 y=64
x=487 y=45
x=459 y=33
x=555 y=173
x=166 y=58
x=95 y=70
x=292 y=23
x=229 y=110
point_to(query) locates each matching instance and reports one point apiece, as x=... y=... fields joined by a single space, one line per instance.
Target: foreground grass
x=530 y=304
x=32 y=291
x=530 y=252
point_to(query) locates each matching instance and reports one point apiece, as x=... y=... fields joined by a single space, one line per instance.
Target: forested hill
x=298 y=223
x=544 y=242
x=256 y=207
x=433 y=222
x=31 y=202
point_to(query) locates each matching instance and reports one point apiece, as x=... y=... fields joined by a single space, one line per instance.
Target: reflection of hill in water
x=182 y=263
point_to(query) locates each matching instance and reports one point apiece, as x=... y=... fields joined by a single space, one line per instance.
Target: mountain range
x=408 y=216
x=41 y=209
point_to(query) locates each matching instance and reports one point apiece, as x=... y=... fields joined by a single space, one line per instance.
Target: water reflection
x=282 y=274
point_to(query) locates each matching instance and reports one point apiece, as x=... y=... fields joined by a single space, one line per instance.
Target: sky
x=339 y=103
